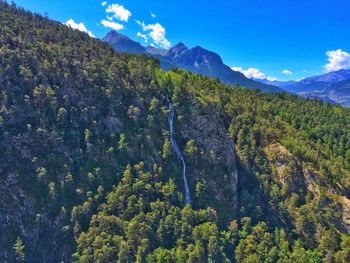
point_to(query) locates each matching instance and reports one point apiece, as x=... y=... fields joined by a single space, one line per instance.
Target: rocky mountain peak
x=177 y=50
x=122 y=43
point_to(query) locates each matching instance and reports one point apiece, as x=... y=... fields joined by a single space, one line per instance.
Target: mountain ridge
x=196 y=59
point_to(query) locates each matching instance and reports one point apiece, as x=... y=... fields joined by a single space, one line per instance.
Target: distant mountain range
x=332 y=87
x=196 y=59
x=331 y=77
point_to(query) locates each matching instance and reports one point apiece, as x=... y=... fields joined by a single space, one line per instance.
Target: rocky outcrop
x=216 y=165
x=286 y=167
x=345 y=211
x=304 y=178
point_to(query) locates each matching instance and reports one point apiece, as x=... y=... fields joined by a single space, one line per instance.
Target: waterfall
x=177 y=151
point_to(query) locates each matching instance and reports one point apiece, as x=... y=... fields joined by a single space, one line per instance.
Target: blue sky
x=262 y=38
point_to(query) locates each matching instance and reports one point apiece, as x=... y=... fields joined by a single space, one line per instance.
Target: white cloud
x=104 y=3
x=337 y=59
x=253 y=73
x=119 y=12
x=271 y=78
x=287 y=72
x=153 y=15
x=157 y=33
x=145 y=38
x=250 y=72
x=112 y=25
x=81 y=27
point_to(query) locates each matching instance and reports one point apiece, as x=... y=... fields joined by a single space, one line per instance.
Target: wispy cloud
x=145 y=38
x=337 y=59
x=79 y=26
x=287 y=72
x=104 y=3
x=253 y=73
x=153 y=15
x=119 y=12
x=112 y=25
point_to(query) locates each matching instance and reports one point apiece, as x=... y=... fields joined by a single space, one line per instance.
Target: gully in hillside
x=177 y=151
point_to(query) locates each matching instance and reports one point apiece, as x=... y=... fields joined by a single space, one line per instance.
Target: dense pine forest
x=88 y=173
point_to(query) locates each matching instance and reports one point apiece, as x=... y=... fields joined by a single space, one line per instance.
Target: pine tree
x=19 y=250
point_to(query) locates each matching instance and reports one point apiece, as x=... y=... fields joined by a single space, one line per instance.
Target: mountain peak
x=122 y=43
x=177 y=50
x=203 y=50
x=180 y=45
x=206 y=55
x=114 y=34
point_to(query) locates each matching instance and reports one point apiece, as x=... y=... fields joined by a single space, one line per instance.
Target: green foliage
x=270 y=178
x=191 y=147
x=144 y=219
x=166 y=147
x=122 y=145
x=19 y=250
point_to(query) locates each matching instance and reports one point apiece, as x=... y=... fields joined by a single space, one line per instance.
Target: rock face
x=286 y=167
x=217 y=157
x=345 y=211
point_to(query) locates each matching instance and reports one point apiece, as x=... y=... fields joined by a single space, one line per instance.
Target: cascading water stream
x=177 y=151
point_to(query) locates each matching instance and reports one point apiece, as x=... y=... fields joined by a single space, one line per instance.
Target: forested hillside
x=88 y=174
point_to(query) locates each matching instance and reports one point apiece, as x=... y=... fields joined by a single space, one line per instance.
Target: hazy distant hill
x=331 y=87
x=336 y=93
x=277 y=83
x=331 y=77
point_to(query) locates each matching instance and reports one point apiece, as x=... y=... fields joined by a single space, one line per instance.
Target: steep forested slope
x=87 y=172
